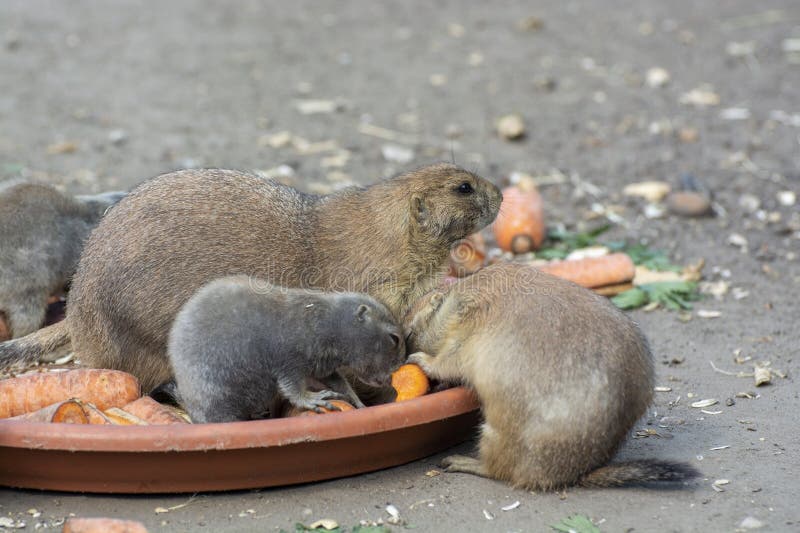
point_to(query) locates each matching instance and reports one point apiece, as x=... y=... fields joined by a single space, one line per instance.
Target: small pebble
x=511 y=127
x=787 y=198
x=740 y=49
x=653 y=211
x=531 y=24
x=700 y=97
x=671 y=421
x=738 y=240
x=652 y=191
x=657 y=77
x=453 y=131
x=734 y=113
x=397 y=154
x=688 y=135
x=791 y=45
x=437 y=80
x=749 y=202
x=117 y=136
x=730 y=402
x=751 y=522
x=689 y=203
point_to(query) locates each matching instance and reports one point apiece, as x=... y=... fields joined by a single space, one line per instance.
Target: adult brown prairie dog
x=178 y=231
x=42 y=231
x=562 y=376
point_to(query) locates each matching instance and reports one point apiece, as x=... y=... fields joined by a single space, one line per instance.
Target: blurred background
x=585 y=97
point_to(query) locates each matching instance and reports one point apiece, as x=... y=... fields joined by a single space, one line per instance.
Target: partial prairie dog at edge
x=240 y=344
x=562 y=376
x=42 y=231
x=177 y=232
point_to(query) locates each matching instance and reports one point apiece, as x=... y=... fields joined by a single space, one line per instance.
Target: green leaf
x=576 y=524
x=11 y=169
x=371 y=529
x=560 y=243
x=551 y=253
x=630 y=299
x=674 y=295
x=648 y=257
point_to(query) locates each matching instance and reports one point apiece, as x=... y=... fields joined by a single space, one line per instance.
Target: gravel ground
x=97 y=96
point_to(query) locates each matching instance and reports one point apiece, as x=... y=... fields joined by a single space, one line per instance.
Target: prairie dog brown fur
x=241 y=343
x=178 y=231
x=562 y=376
x=42 y=231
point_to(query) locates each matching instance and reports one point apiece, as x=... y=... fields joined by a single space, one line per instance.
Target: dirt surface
x=97 y=96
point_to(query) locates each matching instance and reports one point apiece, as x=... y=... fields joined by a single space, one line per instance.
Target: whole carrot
x=153 y=412
x=594 y=272
x=519 y=226
x=102 y=525
x=104 y=388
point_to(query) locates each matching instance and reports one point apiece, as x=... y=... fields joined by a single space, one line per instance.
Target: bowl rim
x=239 y=435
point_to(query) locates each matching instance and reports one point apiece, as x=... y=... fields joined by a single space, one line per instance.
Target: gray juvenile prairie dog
x=240 y=344
x=177 y=232
x=561 y=374
x=42 y=231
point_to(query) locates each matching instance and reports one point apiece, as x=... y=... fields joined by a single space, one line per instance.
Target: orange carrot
x=519 y=226
x=123 y=418
x=96 y=416
x=410 y=382
x=594 y=271
x=153 y=412
x=102 y=525
x=104 y=388
x=340 y=404
x=467 y=256
x=613 y=290
x=66 y=412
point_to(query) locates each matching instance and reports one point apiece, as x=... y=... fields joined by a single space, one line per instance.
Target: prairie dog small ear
x=418 y=209
x=361 y=312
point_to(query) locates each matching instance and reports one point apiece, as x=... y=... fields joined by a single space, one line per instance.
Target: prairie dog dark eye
x=465 y=188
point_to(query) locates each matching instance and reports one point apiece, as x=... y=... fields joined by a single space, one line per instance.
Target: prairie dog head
x=448 y=203
x=374 y=339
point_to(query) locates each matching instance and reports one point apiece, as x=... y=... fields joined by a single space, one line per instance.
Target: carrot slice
x=594 y=272
x=66 y=412
x=410 y=382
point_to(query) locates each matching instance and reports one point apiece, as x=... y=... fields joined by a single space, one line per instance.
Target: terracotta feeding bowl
x=239 y=455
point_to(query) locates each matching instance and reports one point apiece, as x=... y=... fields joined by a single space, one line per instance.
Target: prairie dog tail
x=52 y=341
x=638 y=472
